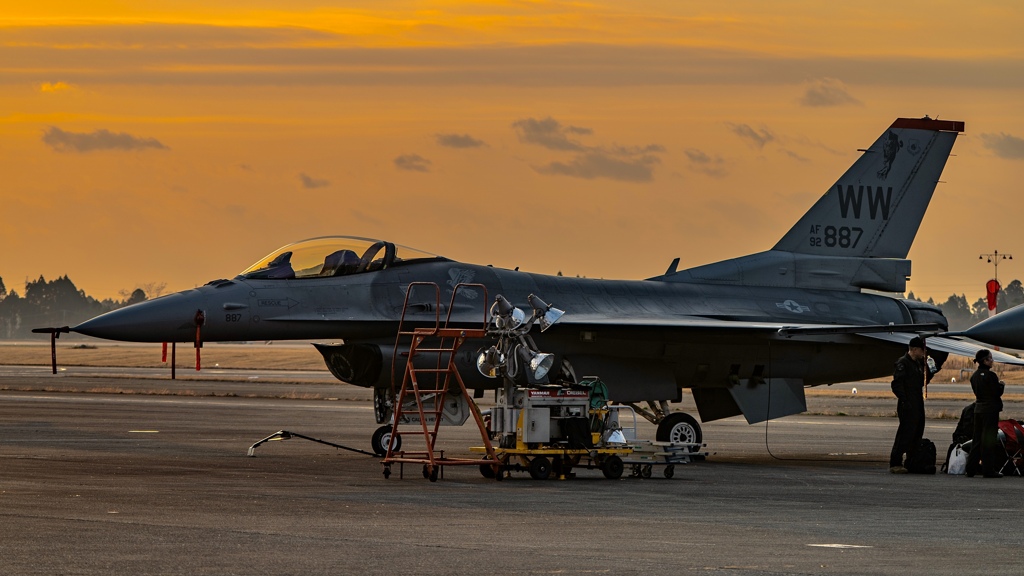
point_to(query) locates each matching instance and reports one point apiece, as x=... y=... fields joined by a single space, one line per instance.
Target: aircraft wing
x=783 y=329
x=899 y=333
x=951 y=345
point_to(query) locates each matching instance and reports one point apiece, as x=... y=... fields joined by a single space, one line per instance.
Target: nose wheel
x=380 y=439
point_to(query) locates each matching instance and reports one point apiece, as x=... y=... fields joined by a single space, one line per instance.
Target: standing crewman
x=908 y=381
x=988 y=394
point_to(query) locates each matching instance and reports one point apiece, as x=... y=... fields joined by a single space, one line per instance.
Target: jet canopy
x=333 y=256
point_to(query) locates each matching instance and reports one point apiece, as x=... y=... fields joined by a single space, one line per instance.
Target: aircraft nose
x=167 y=319
x=1005 y=329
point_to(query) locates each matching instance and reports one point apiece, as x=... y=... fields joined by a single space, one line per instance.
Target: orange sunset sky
x=180 y=141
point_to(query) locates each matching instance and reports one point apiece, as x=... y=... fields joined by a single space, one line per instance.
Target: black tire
x=380 y=438
x=680 y=427
x=670 y=471
x=540 y=468
x=387 y=472
x=647 y=471
x=612 y=467
x=487 y=470
x=433 y=473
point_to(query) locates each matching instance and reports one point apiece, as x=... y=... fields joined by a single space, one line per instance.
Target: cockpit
x=333 y=256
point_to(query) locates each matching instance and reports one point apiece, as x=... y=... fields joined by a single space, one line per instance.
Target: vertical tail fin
x=876 y=207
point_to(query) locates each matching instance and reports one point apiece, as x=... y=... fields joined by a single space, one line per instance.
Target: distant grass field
x=239 y=356
x=289 y=356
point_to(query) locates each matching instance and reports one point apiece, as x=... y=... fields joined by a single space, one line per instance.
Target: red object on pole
x=992 y=288
x=164 y=358
x=200 y=319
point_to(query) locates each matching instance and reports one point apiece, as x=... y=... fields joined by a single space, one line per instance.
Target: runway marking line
x=143 y=431
x=839 y=546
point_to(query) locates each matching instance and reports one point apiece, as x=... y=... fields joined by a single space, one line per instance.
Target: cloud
x=309 y=182
x=795 y=156
x=756 y=137
x=592 y=165
x=701 y=162
x=54 y=87
x=97 y=140
x=549 y=133
x=459 y=141
x=1004 y=145
x=413 y=163
x=616 y=162
x=827 y=92
x=184 y=54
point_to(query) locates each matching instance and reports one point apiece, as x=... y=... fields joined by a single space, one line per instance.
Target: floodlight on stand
x=508 y=316
x=546 y=313
x=540 y=363
x=489 y=362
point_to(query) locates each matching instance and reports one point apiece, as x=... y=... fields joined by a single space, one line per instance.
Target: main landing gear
x=679 y=427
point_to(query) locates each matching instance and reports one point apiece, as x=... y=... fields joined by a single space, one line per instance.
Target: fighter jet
x=744 y=336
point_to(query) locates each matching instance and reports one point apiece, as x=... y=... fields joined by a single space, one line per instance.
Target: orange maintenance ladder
x=428 y=386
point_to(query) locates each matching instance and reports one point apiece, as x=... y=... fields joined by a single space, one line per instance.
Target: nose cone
x=167 y=319
x=1005 y=329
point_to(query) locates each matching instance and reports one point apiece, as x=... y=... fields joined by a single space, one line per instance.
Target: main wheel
x=540 y=468
x=612 y=467
x=680 y=427
x=381 y=437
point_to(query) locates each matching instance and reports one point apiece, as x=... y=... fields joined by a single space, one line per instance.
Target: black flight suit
x=908 y=386
x=988 y=391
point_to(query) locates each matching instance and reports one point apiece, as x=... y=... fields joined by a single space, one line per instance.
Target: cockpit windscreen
x=333 y=256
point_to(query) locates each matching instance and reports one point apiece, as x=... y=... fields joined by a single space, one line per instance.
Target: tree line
x=962 y=315
x=59 y=302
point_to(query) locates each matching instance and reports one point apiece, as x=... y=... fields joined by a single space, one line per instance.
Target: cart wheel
x=499 y=474
x=540 y=468
x=670 y=471
x=612 y=467
x=387 y=472
x=634 y=470
x=487 y=470
x=646 y=471
x=433 y=474
x=426 y=471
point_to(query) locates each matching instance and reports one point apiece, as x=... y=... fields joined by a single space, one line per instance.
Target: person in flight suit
x=988 y=393
x=908 y=382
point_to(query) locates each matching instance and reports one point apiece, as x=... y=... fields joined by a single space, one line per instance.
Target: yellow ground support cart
x=550 y=430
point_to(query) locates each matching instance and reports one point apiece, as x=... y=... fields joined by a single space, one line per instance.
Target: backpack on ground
x=923 y=461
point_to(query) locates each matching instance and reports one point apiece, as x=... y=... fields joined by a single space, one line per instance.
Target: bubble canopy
x=333 y=256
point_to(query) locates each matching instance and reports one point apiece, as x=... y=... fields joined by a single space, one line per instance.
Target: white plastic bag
x=957 y=460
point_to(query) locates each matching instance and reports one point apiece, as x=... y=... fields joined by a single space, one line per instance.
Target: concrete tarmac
x=137 y=483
